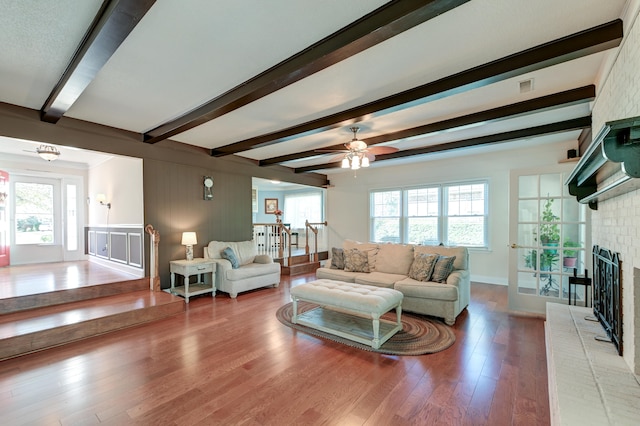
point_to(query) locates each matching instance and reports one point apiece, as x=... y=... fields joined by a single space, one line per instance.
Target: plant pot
x=569 y=262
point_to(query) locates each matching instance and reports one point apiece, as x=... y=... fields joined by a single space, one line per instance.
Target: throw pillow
x=337 y=258
x=422 y=266
x=443 y=268
x=229 y=254
x=355 y=261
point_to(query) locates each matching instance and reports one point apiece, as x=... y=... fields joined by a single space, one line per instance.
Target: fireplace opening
x=607 y=293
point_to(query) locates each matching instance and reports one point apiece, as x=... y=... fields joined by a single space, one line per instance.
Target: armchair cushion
x=263 y=258
x=231 y=257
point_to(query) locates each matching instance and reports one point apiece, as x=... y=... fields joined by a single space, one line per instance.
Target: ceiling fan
x=357 y=154
x=46 y=152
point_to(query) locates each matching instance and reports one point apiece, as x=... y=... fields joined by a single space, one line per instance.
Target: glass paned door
x=548 y=232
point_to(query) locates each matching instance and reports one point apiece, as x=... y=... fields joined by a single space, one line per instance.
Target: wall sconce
x=101 y=198
x=189 y=239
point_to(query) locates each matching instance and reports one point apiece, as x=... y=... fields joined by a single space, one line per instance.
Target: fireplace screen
x=607 y=293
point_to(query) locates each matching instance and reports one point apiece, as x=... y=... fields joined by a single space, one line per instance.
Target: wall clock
x=208 y=185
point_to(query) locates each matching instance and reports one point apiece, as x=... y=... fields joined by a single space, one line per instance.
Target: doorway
x=44 y=224
x=548 y=239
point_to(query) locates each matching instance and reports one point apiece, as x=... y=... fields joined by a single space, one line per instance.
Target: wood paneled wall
x=173 y=174
x=173 y=200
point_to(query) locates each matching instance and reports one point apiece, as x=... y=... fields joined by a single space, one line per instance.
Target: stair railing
x=264 y=236
x=309 y=226
x=269 y=237
x=284 y=230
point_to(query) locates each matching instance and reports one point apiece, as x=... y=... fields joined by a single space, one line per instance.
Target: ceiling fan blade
x=326 y=151
x=336 y=158
x=378 y=150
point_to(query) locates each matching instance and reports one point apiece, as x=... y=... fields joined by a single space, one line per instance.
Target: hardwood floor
x=25 y=280
x=229 y=361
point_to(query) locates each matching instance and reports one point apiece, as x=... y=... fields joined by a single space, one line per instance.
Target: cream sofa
x=255 y=270
x=390 y=265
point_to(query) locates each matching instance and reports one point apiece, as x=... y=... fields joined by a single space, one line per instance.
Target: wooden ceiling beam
x=580 y=44
x=383 y=23
x=546 y=129
x=113 y=23
x=556 y=100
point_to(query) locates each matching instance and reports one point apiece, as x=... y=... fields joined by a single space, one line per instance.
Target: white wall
x=348 y=198
x=616 y=223
x=120 y=179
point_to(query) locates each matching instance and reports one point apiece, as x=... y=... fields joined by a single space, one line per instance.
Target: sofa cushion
x=443 y=268
x=378 y=279
x=356 y=260
x=336 y=274
x=337 y=258
x=427 y=290
x=370 y=248
x=229 y=254
x=394 y=258
x=461 y=254
x=422 y=266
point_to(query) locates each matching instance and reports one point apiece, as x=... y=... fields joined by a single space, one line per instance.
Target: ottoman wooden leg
x=376 y=332
x=294 y=317
x=399 y=316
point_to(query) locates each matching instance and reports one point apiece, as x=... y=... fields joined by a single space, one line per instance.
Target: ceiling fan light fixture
x=357 y=155
x=357 y=145
x=355 y=162
x=48 y=152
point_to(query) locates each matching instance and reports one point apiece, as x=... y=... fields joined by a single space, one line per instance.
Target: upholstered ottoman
x=343 y=308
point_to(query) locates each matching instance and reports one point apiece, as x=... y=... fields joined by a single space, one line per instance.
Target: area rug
x=419 y=335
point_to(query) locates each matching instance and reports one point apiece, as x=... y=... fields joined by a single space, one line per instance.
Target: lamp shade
x=101 y=198
x=189 y=238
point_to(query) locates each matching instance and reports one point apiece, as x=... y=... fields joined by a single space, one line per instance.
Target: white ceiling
x=185 y=53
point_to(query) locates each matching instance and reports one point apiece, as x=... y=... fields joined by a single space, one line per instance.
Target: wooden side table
x=187 y=268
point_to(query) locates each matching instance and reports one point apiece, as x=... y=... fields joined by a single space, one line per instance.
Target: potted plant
x=548 y=236
x=569 y=254
x=549 y=231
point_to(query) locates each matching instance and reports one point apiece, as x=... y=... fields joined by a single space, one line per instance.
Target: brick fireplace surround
x=589 y=383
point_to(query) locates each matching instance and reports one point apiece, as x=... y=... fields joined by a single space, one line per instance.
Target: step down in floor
x=299 y=268
x=26 y=331
x=74 y=294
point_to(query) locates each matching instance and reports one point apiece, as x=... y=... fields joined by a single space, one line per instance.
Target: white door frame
x=535 y=303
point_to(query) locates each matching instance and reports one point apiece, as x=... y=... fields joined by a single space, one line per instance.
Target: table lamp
x=189 y=239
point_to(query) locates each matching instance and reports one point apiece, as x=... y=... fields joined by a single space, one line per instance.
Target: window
x=302 y=206
x=455 y=214
x=34 y=213
x=386 y=216
x=423 y=215
x=466 y=218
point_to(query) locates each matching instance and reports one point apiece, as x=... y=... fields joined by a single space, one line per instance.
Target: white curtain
x=302 y=206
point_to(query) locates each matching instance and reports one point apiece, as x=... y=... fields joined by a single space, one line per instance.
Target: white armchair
x=255 y=270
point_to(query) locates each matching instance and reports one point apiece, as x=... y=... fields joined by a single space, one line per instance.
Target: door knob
x=514 y=246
